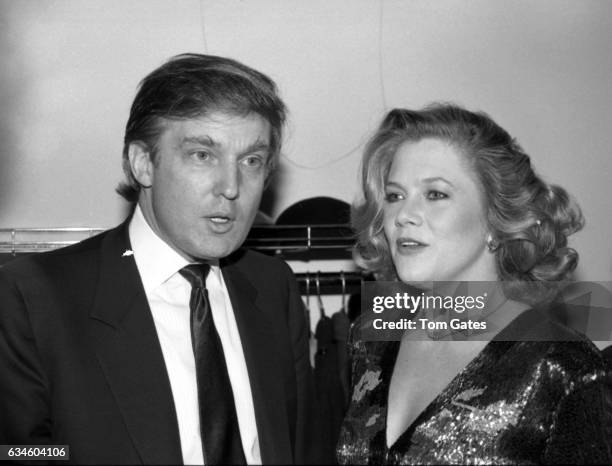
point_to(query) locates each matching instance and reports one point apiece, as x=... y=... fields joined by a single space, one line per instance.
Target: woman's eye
x=393 y=197
x=436 y=195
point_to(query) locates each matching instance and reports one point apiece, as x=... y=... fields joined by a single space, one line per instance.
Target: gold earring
x=492 y=245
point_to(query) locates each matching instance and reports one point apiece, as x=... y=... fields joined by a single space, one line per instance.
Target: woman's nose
x=409 y=213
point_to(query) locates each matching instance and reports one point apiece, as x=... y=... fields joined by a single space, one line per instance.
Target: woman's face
x=434 y=216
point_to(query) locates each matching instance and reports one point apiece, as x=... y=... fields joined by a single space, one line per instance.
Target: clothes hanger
x=308 y=302
x=343 y=280
x=320 y=301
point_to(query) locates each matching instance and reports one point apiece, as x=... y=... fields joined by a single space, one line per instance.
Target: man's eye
x=253 y=161
x=393 y=197
x=434 y=195
x=201 y=155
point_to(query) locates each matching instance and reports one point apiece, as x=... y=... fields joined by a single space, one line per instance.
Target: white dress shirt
x=168 y=295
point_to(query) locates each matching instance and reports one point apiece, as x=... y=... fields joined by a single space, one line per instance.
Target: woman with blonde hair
x=449 y=195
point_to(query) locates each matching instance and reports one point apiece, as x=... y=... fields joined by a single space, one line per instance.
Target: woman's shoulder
x=587 y=307
x=368 y=356
x=540 y=338
x=360 y=345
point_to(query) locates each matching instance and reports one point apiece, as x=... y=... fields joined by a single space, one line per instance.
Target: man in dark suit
x=104 y=344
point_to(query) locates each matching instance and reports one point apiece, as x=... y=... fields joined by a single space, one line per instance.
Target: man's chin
x=215 y=249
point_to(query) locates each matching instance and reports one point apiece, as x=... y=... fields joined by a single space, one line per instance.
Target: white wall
x=70 y=68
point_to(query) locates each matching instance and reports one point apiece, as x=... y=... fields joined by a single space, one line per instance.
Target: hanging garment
x=341 y=325
x=328 y=386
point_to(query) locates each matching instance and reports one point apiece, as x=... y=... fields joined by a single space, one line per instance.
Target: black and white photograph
x=306 y=232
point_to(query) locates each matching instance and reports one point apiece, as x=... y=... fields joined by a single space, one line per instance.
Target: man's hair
x=193 y=86
x=529 y=219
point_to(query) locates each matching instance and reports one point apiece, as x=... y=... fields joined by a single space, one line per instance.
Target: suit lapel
x=129 y=352
x=260 y=348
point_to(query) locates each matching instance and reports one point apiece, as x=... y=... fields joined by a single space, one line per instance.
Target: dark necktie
x=218 y=421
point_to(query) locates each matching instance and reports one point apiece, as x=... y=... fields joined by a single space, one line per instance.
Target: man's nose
x=228 y=181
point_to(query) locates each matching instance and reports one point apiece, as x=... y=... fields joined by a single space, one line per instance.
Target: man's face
x=203 y=191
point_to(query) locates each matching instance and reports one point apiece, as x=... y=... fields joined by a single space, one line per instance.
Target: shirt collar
x=155 y=259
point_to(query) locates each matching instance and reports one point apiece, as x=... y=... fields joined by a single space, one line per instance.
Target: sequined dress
x=516 y=402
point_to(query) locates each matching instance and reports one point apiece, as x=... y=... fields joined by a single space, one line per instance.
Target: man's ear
x=141 y=164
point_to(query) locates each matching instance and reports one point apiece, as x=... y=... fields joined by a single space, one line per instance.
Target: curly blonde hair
x=529 y=219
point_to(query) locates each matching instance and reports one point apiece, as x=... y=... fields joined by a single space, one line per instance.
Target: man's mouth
x=220 y=220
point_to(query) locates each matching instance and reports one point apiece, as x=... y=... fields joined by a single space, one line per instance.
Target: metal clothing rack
x=335 y=283
x=302 y=242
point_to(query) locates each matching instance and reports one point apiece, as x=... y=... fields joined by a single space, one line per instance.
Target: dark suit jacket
x=81 y=365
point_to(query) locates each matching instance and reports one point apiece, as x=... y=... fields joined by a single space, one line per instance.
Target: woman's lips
x=409 y=245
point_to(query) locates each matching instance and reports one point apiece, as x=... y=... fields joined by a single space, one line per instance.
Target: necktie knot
x=196 y=274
